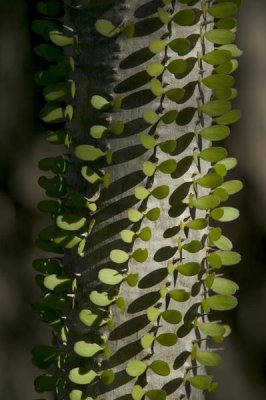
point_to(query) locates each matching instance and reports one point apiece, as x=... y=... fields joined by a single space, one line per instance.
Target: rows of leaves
x=72 y=212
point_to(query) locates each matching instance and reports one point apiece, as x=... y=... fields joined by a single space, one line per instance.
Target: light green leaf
x=78 y=395
x=136 y=368
x=147 y=340
x=87 y=152
x=57 y=282
x=108 y=377
x=150 y=116
x=223 y=10
x=206 y=202
x=106 y=28
x=110 y=276
x=224 y=286
x=208 y=358
x=197 y=224
x=219 y=81
x=227 y=68
x=189 y=269
x=156 y=87
x=229 y=118
x=160 y=367
x=216 y=108
x=221 y=302
x=233 y=186
x=217 y=57
x=101 y=299
x=90 y=175
x=117 y=127
x=226 y=23
x=225 y=214
x=220 y=36
x=163 y=15
x=223 y=243
x=149 y=168
x=90 y=319
x=137 y=392
x=213 y=154
x=98 y=131
x=180 y=295
x=211 y=329
x=82 y=376
x=134 y=215
x=127 y=236
x=210 y=181
x=70 y=222
x=52 y=114
x=167 y=339
x=215 y=132
x=172 y=316
x=155 y=69
x=153 y=314
x=119 y=256
x=229 y=257
x=99 y=103
x=60 y=39
x=148 y=141
x=202 y=382
x=214 y=260
x=234 y=50
x=157 y=45
x=85 y=349
x=141 y=193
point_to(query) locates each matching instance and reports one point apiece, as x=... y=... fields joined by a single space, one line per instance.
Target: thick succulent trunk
x=144 y=182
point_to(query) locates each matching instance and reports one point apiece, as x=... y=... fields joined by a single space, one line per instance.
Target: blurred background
x=22 y=144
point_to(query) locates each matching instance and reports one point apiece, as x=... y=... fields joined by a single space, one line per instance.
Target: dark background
x=22 y=144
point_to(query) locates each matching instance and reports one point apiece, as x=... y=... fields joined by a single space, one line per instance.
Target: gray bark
x=94 y=75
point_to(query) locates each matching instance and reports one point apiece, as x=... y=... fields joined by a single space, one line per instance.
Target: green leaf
x=181 y=46
x=211 y=329
x=78 y=395
x=108 y=377
x=194 y=246
x=227 y=68
x=70 y=222
x=224 y=286
x=215 y=233
x=221 y=302
x=169 y=117
x=47 y=51
x=208 y=358
x=167 y=339
x=197 y=224
x=163 y=15
x=145 y=234
x=179 y=295
x=157 y=45
x=218 y=81
x=153 y=214
x=168 y=146
x=134 y=215
x=177 y=67
x=117 y=127
x=132 y=279
x=168 y=166
x=101 y=299
x=220 y=36
x=56 y=92
x=136 y=368
x=90 y=175
x=215 y=132
x=189 y=269
x=229 y=257
x=156 y=87
x=51 y=113
x=172 y=316
x=141 y=193
x=106 y=28
x=44 y=356
x=110 y=276
x=147 y=340
x=225 y=214
x=226 y=23
x=206 y=202
x=234 y=50
x=60 y=39
x=82 y=376
x=223 y=10
x=229 y=163
x=215 y=108
x=156 y=394
x=214 y=260
x=45 y=383
x=160 y=192
x=233 y=186
x=223 y=243
x=202 y=382
x=160 y=367
x=155 y=69
x=214 y=154
x=147 y=141
x=150 y=116
x=85 y=349
x=210 y=181
x=229 y=118
x=140 y=255
x=217 y=57
x=119 y=256
x=175 y=94
x=87 y=152
x=187 y=17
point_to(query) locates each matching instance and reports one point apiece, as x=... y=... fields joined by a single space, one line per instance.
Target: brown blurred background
x=22 y=144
